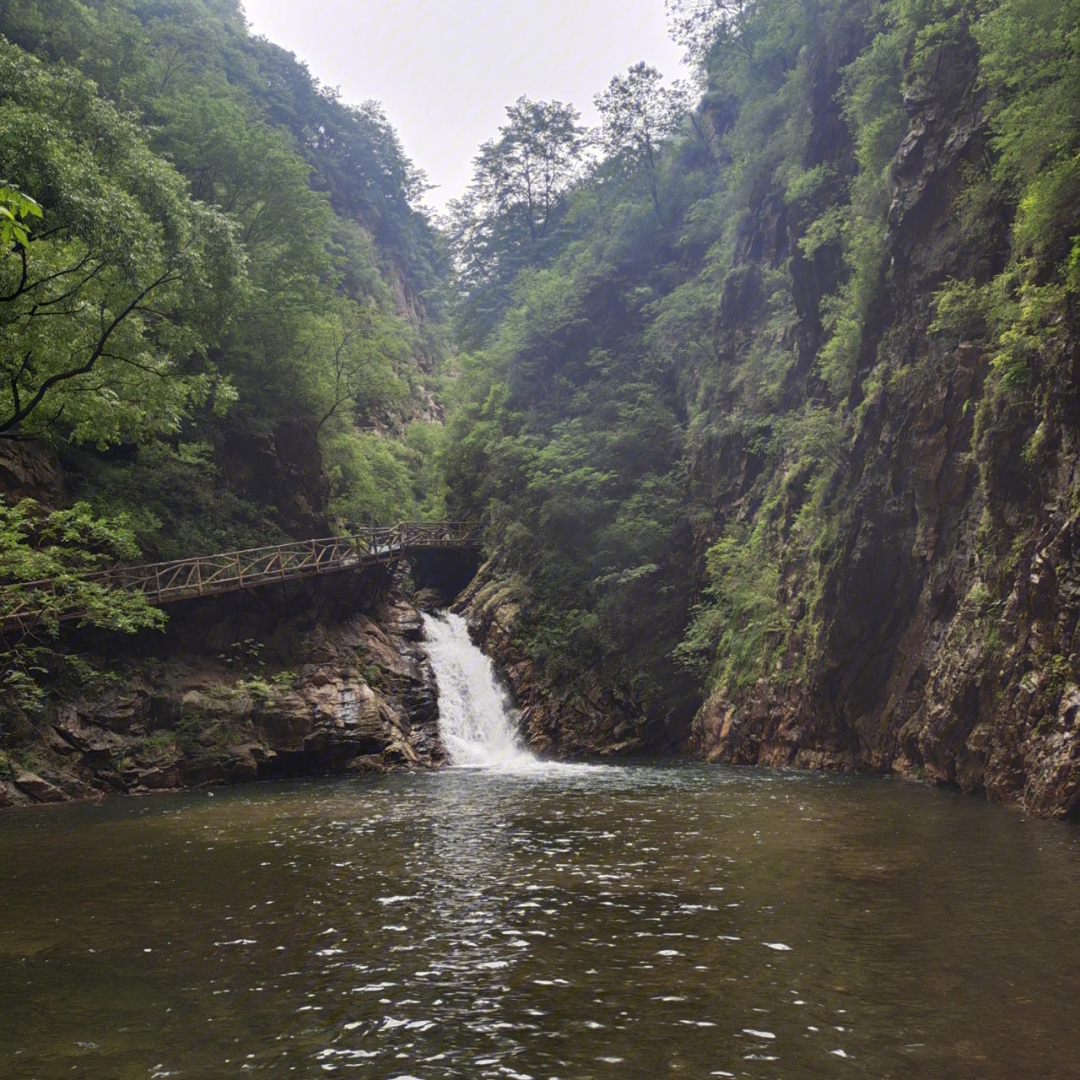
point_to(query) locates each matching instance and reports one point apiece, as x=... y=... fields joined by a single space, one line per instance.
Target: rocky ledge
x=214 y=702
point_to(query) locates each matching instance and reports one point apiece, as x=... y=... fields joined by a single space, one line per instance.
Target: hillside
x=276 y=290
x=767 y=386
x=778 y=425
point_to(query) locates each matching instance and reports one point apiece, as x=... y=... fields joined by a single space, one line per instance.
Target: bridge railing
x=209 y=575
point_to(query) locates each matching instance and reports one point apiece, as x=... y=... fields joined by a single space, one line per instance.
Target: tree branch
x=21 y=413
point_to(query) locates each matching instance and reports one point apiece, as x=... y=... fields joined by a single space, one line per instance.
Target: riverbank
x=312 y=680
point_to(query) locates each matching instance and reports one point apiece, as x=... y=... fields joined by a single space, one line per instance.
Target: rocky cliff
x=939 y=641
x=323 y=678
x=582 y=718
x=860 y=314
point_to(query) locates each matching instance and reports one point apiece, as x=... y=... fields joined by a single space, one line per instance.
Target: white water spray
x=478 y=723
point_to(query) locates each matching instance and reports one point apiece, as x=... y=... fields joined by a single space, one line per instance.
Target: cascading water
x=477 y=722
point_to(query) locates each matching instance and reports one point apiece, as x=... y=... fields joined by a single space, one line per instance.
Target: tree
x=331 y=328
x=519 y=181
x=108 y=306
x=522 y=175
x=44 y=558
x=695 y=24
x=637 y=113
x=15 y=208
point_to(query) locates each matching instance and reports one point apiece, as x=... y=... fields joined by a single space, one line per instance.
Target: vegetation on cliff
x=767 y=385
x=223 y=272
x=220 y=300
x=692 y=417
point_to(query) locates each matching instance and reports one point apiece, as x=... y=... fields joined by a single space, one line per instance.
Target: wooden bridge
x=211 y=575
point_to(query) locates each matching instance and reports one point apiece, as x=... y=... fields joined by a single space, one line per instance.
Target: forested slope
x=228 y=290
x=221 y=308
x=777 y=418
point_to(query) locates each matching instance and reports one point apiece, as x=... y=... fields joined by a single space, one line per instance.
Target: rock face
x=577 y=719
x=30 y=471
x=946 y=646
x=284 y=470
x=978 y=695
x=335 y=694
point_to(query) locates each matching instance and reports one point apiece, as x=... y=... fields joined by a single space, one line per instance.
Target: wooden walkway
x=212 y=575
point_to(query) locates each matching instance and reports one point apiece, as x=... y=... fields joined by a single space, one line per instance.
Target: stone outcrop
x=946 y=644
x=337 y=693
x=31 y=471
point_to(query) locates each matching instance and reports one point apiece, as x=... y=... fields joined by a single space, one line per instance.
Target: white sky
x=445 y=69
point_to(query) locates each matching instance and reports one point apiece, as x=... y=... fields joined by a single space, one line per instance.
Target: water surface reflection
x=637 y=921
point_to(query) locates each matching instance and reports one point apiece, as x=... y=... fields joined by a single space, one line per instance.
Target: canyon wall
x=875 y=369
x=942 y=641
x=307 y=679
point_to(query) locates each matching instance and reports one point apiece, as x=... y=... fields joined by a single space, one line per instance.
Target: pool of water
x=637 y=921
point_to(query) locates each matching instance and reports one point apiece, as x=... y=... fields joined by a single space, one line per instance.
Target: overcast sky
x=444 y=70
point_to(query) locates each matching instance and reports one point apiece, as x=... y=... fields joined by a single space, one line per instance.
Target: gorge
x=766 y=396
x=735 y=442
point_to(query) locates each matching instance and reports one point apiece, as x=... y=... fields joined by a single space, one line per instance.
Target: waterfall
x=477 y=721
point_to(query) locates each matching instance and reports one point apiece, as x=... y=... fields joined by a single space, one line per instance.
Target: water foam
x=477 y=721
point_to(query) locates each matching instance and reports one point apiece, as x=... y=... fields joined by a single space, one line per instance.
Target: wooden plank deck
x=211 y=575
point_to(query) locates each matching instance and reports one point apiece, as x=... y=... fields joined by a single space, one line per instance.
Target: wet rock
x=366 y=763
x=156 y=779
x=69 y=730
x=363 y=699
x=10 y=795
x=429 y=600
x=119 y=712
x=38 y=789
x=242 y=765
x=944 y=641
x=584 y=719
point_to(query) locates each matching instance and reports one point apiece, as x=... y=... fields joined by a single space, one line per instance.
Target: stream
x=511 y=918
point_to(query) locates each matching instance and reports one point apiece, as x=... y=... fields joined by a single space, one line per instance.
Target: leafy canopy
x=44 y=558
x=506 y=219
x=108 y=307
x=637 y=114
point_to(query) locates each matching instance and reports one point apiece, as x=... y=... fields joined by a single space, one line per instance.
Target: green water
x=609 y=922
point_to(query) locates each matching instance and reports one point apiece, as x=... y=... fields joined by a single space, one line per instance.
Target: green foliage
x=637 y=115
x=175 y=500
x=1030 y=54
x=203 y=255
x=658 y=376
x=255 y=243
x=258 y=689
x=1030 y=62
x=108 y=309
x=559 y=433
x=672 y=332
x=698 y=25
x=369 y=479
x=242 y=654
x=1029 y=66
x=506 y=220
x=962 y=309
x=15 y=208
x=44 y=558
x=732 y=639
x=1022 y=320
